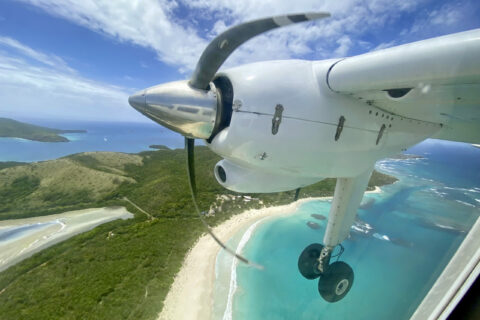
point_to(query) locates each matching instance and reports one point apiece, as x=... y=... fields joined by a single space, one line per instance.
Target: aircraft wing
x=435 y=80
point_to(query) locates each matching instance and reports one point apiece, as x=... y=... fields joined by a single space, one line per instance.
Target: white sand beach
x=21 y=238
x=191 y=294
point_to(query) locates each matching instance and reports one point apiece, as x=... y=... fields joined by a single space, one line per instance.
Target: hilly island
x=122 y=269
x=10 y=128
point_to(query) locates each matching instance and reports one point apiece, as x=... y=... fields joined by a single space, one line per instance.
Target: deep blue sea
x=418 y=224
x=100 y=136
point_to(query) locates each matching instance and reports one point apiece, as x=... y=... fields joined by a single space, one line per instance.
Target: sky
x=81 y=59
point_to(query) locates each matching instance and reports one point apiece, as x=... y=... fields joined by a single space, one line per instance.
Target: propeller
x=297 y=193
x=189 y=146
x=225 y=43
x=193 y=108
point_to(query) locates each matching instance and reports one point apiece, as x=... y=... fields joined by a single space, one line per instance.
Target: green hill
x=126 y=276
x=73 y=182
x=10 y=128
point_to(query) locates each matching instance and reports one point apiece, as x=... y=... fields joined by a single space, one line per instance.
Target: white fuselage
x=304 y=149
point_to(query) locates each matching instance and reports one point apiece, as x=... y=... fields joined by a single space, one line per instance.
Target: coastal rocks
x=225 y=202
x=318 y=216
x=367 y=203
x=444 y=225
x=362 y=228
x=211 y=212
x=402 y=242
x=381 y=236
x=313 y=225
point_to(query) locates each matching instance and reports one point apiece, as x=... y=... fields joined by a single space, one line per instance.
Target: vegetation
x=159 y=147
x=75 y=182
x=122 y=269
x=9 y=164
x=14 y=129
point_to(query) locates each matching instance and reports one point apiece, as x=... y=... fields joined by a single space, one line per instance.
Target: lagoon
x=21 y=238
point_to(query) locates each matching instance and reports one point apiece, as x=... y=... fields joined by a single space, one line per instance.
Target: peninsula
x=159 y=147
x=10 y=128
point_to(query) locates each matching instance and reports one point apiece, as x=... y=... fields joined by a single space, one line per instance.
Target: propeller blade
x=189 y=146
x=225 y=43
x=297 y=192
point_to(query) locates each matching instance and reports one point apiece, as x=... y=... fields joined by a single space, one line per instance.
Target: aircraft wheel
x=336 y=281
x=307 y=262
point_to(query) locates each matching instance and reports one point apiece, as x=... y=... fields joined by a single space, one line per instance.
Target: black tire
x=307 y=262
x=336 y=282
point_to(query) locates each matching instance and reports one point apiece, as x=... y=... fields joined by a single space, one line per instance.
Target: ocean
x=417 y=225
x=100 y=136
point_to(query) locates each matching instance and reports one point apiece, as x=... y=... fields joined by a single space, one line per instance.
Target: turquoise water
x=100 y=136
x=424 y=216
x=12 y=233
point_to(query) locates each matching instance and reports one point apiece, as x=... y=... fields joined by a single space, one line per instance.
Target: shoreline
x=45 y=231
x=194 y=284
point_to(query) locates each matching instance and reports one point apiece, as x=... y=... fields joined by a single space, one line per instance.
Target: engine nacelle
x=240 y=179
x=286 y=121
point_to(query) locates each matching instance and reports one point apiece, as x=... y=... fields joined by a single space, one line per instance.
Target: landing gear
x=335 y=283
x=308 y=261
x=336 y=279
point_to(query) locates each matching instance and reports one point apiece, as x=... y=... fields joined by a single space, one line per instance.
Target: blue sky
x=80 y=59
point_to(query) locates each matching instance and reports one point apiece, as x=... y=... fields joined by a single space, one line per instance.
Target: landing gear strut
x=336 y=279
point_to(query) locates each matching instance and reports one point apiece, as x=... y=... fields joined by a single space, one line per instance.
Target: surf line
x=228 y=314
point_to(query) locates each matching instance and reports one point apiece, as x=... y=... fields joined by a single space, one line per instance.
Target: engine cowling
x=285 y=120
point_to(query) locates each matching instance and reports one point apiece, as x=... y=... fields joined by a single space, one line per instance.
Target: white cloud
x=156 y=25
x=439 y=19
x=218 y=27
x=385 y=45
x=46 y=59
x=146 y=23
x=55 y=88
x=344 y=44
x=364 y=44
x=50 y=91
x=445 y=16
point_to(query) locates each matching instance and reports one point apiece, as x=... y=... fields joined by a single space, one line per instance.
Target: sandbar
x=21 y=238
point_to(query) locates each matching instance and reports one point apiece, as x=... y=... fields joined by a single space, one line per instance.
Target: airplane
x=283 y=125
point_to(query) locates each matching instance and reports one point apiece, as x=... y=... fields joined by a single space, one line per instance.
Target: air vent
x=397 y=93
x=222 y=175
